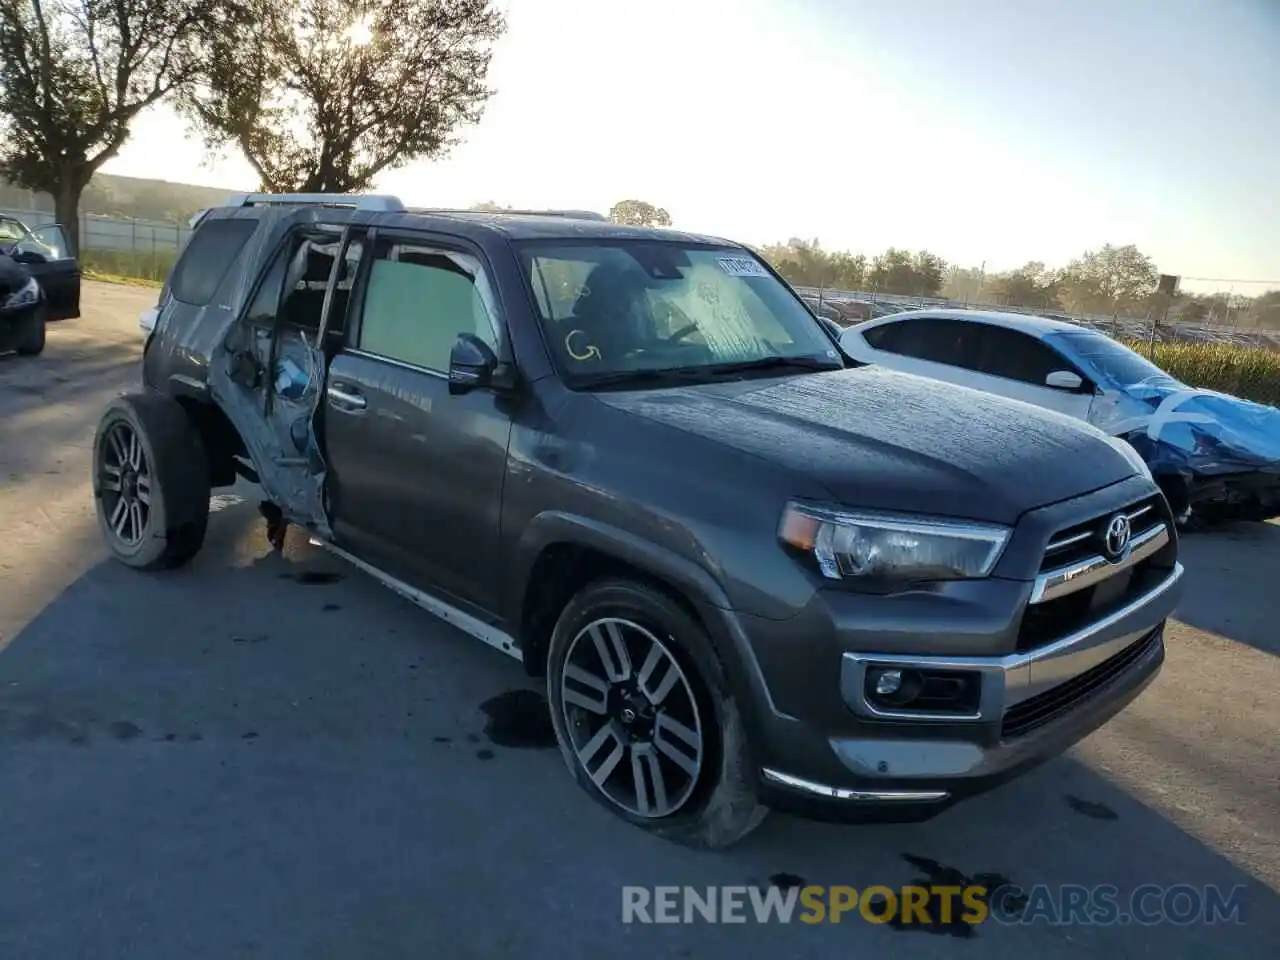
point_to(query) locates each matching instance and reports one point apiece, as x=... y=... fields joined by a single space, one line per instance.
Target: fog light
x=888 y=682
x=892 y=687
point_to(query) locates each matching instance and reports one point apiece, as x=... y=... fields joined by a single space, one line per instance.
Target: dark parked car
x=44 y=253
x=21 y=310
x=752 y=571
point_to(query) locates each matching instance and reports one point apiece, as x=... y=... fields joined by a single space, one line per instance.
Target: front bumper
x=868 y=764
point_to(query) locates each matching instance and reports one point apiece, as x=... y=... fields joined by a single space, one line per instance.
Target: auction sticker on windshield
x=741 y=267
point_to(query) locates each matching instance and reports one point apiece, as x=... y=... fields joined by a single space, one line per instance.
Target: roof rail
x=567 y=214
x=360 y=201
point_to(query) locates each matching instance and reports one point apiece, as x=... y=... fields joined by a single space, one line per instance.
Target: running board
x=468 y=624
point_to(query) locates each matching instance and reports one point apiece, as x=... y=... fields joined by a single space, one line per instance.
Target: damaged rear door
x=415 y=473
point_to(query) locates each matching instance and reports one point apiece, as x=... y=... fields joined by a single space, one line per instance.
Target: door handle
x=344 y=396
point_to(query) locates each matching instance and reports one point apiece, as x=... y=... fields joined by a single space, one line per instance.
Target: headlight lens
x=29 y=294
x=1132 y=455
x=863 y=545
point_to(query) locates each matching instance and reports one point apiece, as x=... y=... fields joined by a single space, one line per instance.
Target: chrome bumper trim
x=1085 y=573
x=840 y=793
x=1012 y=678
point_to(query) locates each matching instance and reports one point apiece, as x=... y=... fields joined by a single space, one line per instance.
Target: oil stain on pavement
x=519 y=718
x=949 y=920
x=1087 y=808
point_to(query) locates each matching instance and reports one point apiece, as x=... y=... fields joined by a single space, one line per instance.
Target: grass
x=1248 y=372
x=128 y=266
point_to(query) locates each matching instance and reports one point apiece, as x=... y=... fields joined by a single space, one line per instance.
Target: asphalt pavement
x=272 y=756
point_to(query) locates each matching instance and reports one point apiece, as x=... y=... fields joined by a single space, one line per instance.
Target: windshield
x=1112 y=360
x=638 y=307
x=11 y=230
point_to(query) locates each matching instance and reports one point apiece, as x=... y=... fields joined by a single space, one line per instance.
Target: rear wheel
x=643 y=717
x=150 y=482
x=31 y=331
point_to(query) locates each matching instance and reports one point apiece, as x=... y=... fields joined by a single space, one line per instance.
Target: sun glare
x=360 y=32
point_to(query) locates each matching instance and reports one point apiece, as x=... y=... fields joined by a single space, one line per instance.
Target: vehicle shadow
x=1232 y=575
x=270 y=754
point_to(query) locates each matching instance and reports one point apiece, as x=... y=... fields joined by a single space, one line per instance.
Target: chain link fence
x=145 y=249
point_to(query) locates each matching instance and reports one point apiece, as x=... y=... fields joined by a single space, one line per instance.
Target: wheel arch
x=560 y=553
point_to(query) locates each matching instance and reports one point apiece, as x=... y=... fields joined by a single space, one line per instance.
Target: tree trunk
x=66 y=207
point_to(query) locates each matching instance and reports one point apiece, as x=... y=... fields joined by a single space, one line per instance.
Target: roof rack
x=360 y=201
x=566 y=214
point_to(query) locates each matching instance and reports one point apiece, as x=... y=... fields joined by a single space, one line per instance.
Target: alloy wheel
x=125 y=482
x=636 y=730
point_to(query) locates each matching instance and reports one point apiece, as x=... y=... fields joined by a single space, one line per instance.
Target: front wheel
x=150 y=482
x=31 y=333
x=644 y=720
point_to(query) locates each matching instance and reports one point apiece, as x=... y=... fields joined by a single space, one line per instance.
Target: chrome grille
x=1082 y=540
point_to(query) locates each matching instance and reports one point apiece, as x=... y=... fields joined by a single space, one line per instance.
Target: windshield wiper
x=654 y=375
x=773 y=363
x=704 y=372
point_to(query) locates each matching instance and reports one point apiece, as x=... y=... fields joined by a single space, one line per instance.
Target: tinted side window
x=418 y=299
x=1016 y=356
x=208 y=256
x=927 y=338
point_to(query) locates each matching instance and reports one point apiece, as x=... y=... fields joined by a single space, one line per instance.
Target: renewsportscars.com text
x=1059 y=905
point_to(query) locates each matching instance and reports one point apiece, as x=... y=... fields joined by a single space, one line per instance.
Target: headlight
x=26 y=296
x=1132 y=455
x=849 y=544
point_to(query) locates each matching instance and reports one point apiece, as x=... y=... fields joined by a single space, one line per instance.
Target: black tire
x=177 y=473
x=719 y=805
x=31 y=329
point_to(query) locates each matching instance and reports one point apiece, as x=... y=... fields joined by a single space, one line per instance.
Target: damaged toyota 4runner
x=753 y=572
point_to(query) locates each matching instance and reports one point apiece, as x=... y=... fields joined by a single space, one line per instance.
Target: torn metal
x=262 y=337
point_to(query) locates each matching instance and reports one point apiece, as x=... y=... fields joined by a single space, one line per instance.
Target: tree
x=638 y=213
x=1119 y=279
x=488 y=206
x=964 y=283
x=74 y=74
x=805 y=264
x=898 y=271
x=324 y=95
x=1031 y=285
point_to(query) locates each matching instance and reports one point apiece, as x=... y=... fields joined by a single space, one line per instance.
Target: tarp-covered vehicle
x=45 y=254
x=1217 y=457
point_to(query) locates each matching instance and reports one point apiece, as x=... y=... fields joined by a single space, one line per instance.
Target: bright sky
x=984 y=130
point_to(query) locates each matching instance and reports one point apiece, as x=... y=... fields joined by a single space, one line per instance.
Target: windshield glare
x=1112 y=360
x=646 y=306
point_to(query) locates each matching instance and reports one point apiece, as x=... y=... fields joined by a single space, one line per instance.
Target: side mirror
x=471 y=364
x=28 y=256
x=1064 y=380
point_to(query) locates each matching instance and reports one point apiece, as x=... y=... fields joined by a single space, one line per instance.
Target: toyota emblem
x=1116 y=537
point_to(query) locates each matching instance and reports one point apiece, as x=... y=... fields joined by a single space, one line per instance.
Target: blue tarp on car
x=1176 y=428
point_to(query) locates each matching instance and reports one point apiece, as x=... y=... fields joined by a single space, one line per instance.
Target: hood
x=1185 y=430
x=880 y=439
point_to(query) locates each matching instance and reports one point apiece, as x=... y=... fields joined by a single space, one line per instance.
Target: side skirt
x=468 y=624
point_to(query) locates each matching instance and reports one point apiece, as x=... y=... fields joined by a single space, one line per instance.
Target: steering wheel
x=679 y=335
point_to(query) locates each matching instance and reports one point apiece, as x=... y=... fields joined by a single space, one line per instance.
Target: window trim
x=428 y=241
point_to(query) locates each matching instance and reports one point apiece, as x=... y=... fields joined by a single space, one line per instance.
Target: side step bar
x=468 y=624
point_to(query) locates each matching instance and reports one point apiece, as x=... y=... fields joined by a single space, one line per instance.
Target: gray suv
x=753 y=572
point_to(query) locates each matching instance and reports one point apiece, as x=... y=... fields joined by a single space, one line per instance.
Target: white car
x=1011 y=354
x=1213 y=454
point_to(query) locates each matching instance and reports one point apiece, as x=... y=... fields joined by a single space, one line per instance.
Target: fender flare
x=553 y=527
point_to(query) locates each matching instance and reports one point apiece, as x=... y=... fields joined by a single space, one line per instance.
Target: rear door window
x=207 y=258
x=928 y=338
